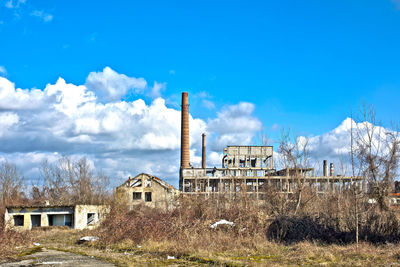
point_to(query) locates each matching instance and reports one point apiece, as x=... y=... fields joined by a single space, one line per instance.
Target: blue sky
x=303 y=64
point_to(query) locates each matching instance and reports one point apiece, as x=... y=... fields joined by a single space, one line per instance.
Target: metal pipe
x=332 y=170
x=325 y=168
x=203 y=151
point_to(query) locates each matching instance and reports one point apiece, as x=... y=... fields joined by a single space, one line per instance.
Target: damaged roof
x=154 y=178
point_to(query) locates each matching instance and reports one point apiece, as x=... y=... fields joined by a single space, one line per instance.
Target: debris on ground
x=36 y=244
x=170 y=257
x=88 y=239
x=221 y=222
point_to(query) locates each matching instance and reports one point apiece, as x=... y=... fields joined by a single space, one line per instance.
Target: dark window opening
x=90 y=218
x=18 y=220
x=60 y=219
x=36 y=220
x=137 y=195
x=147 y=196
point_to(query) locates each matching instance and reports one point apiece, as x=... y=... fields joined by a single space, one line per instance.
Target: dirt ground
x=47 y=257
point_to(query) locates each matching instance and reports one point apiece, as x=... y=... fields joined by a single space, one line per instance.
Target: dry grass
x=147 y=237
x=244 y=251
x=11 y=242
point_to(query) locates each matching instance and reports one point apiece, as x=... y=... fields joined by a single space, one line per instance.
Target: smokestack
x=332 y=171
x=184 y=135
x=325 y=170
x=203 y=152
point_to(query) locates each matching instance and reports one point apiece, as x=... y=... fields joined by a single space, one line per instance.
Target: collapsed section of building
x=250 y=169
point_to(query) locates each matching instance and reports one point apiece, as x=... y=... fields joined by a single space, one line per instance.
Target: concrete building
x=250 y=169
x=74 y=216
x=148 y=190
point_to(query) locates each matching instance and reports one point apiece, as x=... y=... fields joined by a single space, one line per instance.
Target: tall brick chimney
x=184 y=136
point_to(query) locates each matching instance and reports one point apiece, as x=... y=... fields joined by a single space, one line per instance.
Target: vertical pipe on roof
x=332 y=170
x=325 y=168
x=203 y=151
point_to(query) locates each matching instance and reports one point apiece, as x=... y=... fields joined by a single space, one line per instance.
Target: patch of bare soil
x=48 y=257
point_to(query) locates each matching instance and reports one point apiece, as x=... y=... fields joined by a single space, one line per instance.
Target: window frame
x=147 y=198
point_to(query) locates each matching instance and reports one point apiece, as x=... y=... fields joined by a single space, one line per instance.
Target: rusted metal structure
x=250 y=169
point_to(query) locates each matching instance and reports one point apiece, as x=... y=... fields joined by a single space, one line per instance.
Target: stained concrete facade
x=75 y=216
x=148 y=190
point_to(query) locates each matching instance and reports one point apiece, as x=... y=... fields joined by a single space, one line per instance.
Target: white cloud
x=12 y=98
x=234 y=125
x=157 y=89
x=111 y=86
x=124 y=137
x=7 y=120
x=335 y=145
x=46 y=17
x=118 y=136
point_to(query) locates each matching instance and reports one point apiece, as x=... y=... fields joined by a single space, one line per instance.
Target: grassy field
x=126 y=253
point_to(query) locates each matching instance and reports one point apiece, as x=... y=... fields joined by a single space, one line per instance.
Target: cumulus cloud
x=120 y=137
x=124 y=137
x=111 y=86
x=234 y=125
x=335 y=145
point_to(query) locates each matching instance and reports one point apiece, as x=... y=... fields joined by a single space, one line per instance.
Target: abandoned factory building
x=250 y=169
x=148 y=190
x=74 y=216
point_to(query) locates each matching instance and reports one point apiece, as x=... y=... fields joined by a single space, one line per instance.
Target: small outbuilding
x=72 y=216
x=148 y=190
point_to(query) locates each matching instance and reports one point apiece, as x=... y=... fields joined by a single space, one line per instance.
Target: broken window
x=35 y=220
x=135 y=183
x=147 y=196
x=90 y=218
x=147 y=183
x=253 y=162
x=18 y=220
x=137 y=195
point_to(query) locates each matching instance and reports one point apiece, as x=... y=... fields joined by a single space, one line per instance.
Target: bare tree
x=295 y=155
x=73 y=182
x=377 y=150
x=263 y=138
x=11 y=184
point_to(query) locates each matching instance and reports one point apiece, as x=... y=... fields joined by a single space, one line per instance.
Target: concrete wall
x=78 y=215
x=162 y=196
x=81 y=215
x=28 y=211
